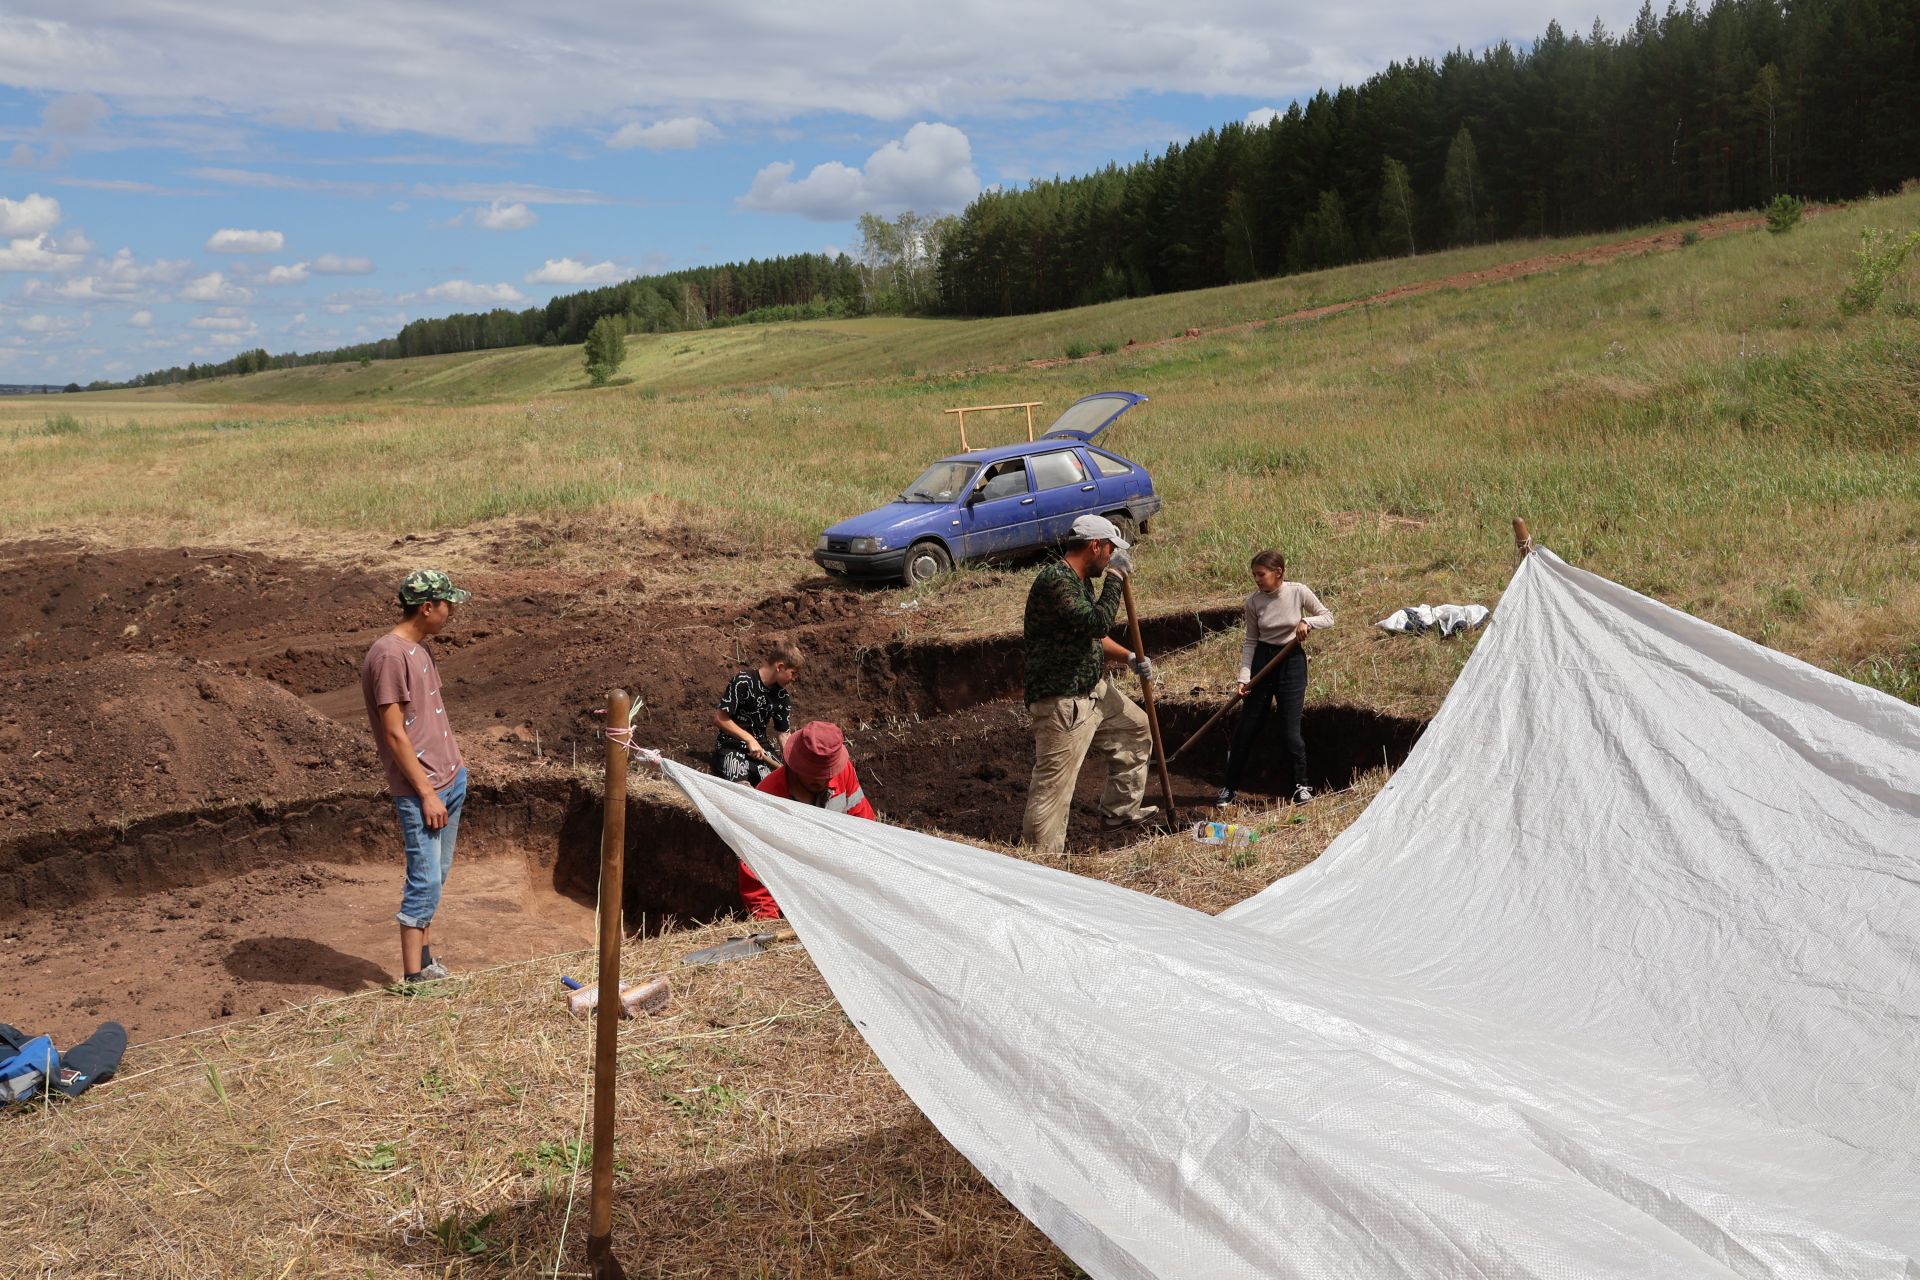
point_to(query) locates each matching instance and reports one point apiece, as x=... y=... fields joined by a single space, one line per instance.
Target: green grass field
x=1702 y=424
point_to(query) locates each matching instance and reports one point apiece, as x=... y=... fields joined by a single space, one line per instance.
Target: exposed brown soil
x=194 y=821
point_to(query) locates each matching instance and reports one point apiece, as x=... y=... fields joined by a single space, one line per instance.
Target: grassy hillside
x=819 y=352
x=1704 y=425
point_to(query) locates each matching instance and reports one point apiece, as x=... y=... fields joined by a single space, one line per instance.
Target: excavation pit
x=194 y=829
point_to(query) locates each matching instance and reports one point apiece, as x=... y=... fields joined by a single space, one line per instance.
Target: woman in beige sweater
x=1277 y=611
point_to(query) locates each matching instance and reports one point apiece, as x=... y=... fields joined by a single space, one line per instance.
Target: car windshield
x=941 y=482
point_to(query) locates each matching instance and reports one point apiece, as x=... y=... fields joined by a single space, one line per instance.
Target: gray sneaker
x=1302 y=793
x=431 y=973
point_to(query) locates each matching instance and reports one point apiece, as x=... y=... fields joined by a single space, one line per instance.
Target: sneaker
x=1302 y=793
x=1145 y=813
x=1227 y=796
x=433 y=971
x=419 y=979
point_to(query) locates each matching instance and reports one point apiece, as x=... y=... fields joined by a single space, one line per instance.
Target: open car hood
x=1088 y=416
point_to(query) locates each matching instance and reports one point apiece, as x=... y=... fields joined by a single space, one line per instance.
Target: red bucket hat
x=818 y=750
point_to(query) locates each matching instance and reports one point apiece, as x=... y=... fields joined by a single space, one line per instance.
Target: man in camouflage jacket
x=1072 y=703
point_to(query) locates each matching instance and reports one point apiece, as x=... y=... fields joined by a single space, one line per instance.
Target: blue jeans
x=429 y=853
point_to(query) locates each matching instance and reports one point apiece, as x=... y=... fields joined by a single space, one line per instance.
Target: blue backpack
x=27 y=1068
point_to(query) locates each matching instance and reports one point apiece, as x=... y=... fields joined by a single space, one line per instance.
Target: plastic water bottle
x=1227 y=833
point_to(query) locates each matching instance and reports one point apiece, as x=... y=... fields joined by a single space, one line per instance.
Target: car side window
x=1051 y=470
x=1107 y=466
x=1004 y=480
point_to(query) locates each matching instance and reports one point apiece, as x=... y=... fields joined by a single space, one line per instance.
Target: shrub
x=60 y=424
x=1689 y=238
x=1076 y=349
x=1783 y=215
x=1108 y=347
x=1879 y=256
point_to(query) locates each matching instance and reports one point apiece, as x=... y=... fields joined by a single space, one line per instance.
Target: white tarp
x=1619 y=976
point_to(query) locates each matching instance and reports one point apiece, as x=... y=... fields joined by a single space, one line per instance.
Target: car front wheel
x=925 y=560
x=1123 y=521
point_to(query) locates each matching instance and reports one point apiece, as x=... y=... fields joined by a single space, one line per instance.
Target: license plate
x=834 y=566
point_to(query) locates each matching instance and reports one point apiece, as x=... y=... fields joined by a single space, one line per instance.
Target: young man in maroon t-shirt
x=426 y=775
x=818 y=772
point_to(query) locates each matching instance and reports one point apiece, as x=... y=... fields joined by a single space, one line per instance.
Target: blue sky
x=180 y=181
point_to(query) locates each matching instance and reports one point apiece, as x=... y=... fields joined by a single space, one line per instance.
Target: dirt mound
x=58 y=604
x=101 y=741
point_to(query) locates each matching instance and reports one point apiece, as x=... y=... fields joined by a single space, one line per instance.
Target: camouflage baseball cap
x=423 y=585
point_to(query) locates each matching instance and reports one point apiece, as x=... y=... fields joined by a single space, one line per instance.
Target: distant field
x=814 y=353
x=1701 y=424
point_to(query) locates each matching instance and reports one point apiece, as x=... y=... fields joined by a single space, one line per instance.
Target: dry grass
x=442 y=1133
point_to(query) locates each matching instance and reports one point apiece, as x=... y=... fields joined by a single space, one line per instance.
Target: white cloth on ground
x=1448 y=619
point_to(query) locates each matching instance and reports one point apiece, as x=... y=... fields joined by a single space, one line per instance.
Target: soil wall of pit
x=677 y=869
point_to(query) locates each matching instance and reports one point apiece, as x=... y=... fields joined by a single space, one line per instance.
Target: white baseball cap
x=1097 y=528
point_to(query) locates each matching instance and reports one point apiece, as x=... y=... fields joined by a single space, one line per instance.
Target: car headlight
x=866 y=546
x=822 y=544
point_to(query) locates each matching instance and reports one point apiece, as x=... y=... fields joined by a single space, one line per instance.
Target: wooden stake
x=1146 y=696
x=1522 y=540
x=606 y=1031
x=1235 y=701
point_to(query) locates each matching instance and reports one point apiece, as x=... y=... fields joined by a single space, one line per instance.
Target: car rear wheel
x=925 y=560
x=1123 y=521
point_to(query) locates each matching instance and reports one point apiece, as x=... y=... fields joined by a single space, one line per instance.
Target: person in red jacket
x=818 y=772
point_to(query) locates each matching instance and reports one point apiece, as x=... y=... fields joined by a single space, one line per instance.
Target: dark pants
x=1287 y=686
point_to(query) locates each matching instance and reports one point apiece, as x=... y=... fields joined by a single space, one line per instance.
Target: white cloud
x=83 y=290
x=1260 y=117
x=214 y=287
x=359 y=63
x=466 y=293
x=127 y=269
x=573 y=272
x=232 y=240
x=333 y=264
x=503 y=217
x=52 y=326
x=298 y=322
x=73 y=113
x=930 y=169
x=680 y=134
x=290 y=273
x=141 y=319
x=29 y=216
x=37 y=253
x=337 y=308
x=221 y=324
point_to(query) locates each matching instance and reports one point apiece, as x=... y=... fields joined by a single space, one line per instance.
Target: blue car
x=1000 y=502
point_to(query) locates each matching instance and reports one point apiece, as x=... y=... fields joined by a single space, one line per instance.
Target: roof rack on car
x=1028 y=405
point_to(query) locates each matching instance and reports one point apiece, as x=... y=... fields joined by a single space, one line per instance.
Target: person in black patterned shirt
x=756 y=717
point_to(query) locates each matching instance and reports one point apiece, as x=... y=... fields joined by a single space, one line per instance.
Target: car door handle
x=1026 y=502
x=1086 y=488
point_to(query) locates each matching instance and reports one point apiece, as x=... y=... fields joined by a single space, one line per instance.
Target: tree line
x=806 y=286
x=1689 y=112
